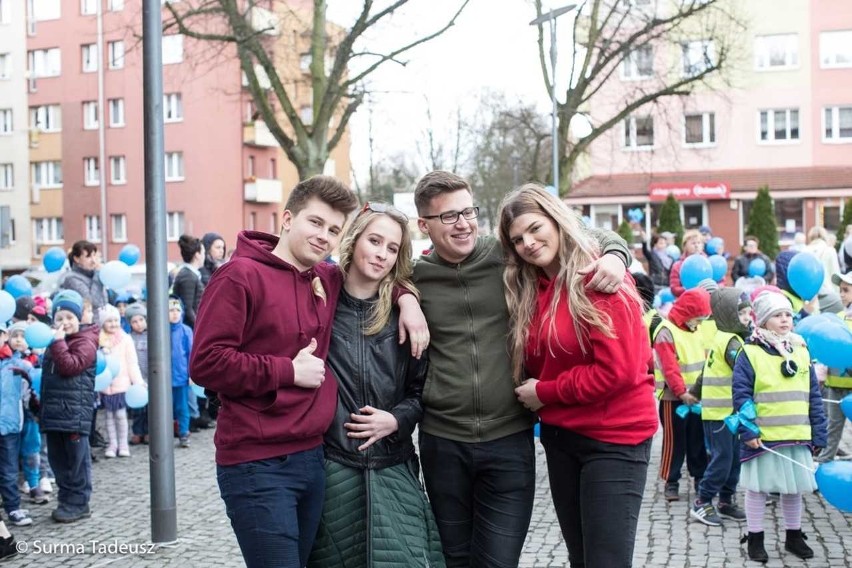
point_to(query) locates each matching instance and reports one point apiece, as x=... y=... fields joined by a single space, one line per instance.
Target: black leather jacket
x=376 y=371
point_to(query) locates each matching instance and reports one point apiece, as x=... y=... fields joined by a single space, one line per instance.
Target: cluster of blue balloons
x=635 y=215
x=829 y=339
x=107 y=367
x=805 y=274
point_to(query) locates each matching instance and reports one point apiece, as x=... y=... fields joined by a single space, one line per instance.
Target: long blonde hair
x=400 y=274
x=577 y=248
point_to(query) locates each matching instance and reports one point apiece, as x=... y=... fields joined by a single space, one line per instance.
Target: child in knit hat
x=773 y=372
x=67 y=405
x=137 y=317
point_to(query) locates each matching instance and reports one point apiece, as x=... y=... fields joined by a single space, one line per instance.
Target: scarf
x=783 y=344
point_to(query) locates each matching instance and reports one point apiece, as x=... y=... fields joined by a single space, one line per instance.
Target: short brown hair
x=751 y=238
x=327 y=189
x=434 y=184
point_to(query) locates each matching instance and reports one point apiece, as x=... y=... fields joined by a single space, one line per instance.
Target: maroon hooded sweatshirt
x=257 y=313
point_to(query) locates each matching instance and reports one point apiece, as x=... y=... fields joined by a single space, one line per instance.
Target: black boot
x=756 y=551
x=795 y=544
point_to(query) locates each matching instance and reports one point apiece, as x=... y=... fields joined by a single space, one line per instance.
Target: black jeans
x=597 y=492
x=71 y=461
x=482 y=496
x=682 y=437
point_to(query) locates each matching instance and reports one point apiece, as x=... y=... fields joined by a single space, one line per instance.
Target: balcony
x=258 y=134
x=264 y=190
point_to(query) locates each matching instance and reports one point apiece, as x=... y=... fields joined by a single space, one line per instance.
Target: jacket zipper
x=475 y=354
x=367 y=472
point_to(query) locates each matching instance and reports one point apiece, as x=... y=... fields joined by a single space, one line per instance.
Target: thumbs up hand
x=308 y=370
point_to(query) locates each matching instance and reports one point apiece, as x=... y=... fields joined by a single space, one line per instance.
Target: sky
x=491 y=47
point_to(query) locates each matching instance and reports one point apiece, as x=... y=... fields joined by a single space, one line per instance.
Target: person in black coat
x=187 y=284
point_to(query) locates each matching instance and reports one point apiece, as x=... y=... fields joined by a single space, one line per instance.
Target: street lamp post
x=550 y=17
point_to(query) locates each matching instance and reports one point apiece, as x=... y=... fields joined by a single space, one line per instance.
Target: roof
x=787 y=179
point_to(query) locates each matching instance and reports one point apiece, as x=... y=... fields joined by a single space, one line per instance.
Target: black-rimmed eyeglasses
x=452 y=217
x=386 y=208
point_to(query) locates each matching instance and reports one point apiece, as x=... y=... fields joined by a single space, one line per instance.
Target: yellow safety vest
x=690 y=356
x=708 y=330
x=716 y=392
x=782 y=403
x=840 y=378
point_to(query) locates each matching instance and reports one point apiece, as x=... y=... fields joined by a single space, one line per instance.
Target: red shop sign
x=689 y=191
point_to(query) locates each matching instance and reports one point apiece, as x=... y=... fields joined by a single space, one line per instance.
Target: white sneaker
x=24 y=487
x=20 y=518
x=124 y=453
x=45 y=485
x=109 y=453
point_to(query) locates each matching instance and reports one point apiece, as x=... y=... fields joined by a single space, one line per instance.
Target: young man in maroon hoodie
x=262 y=335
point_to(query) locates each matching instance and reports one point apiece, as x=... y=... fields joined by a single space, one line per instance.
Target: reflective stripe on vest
x=782 y=403
x=840 y=378
x=690 y=356
x=716 y=392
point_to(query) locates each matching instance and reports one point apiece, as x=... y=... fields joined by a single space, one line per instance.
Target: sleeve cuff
x=285 y=372
x=547 y=392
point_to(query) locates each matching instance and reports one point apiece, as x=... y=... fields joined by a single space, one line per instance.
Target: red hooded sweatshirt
x=257 y=313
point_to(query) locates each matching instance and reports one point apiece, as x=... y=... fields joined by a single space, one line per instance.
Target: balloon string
x=779 y=454
x=831 y=401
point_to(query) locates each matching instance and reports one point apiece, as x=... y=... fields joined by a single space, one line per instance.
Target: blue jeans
x=597 y=492
x=180 y=408
x=275 y=506
x=723 y=471
x=30 y=449
x=192 y=402
x=71 y=461
x=10 y=445
x=482 y=495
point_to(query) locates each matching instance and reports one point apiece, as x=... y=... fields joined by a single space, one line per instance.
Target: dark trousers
x=275 y=506
x=597 y=492
x=482 y=496
x=71 y=461
x=10 y=446
x=140 y=420
x=723 y=470
x=682 y=437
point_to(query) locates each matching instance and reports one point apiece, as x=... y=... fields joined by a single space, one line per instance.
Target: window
x=174 y=225
x=305 y=62
x=837 y=124
x=5 y=65
x=91 y=172
x=116 y=113
x=48 y=230
x=835 y=49
x=46 y=10
x=44 y=63
x=273 y=223
x=46 y=174
x=699 y=129
x=174 y=166
x=89 y=57
x=115 y=5
x=780 y=51
x=172 y=107
x=306 y=113
x=118 y=226
x=639 y=132
x=697 y=57
x=5 y=11
x=172 y=49
x=7 y=176
x=273 y=168
x=89 y=7
x=638 y=63
x=115 y=50
x=90 y=115
x=117 y=170
x=93 y=228
x=250 y=167
x=6 y=125
x=47 y=118
x=778 y=125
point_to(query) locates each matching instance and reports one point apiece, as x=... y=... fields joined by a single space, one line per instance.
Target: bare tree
x=337 y=87
x=612 y=34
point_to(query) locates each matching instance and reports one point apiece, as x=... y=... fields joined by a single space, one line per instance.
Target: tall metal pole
x=101 y=116
x=554 y=131
x=161 y=449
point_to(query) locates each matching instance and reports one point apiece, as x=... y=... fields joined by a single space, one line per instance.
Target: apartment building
x=81 y=128
x=14 y=192
x=784 y=122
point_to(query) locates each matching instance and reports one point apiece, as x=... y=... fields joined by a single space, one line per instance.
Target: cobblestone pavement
x=666 y=536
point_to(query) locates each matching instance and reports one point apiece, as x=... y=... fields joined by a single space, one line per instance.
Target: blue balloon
x=834 y=480
x=673 y=252
x=113 y=364
x=719 y=266
x=805 y=275
x=103 y=380
x=18 y=286
x=38 y=335
x=846 y=406
x=807 y=325
x=115 y=274
x=54 y=259
x=7 y=306
x=831 y=345
x=666 y=295
x=100 y=363
x=714 y=246
x=136 y=396
x=35 y=381
x=198 y=390
x=657 y=302
x=693 y=270
x=757 y=267
x=129 y=254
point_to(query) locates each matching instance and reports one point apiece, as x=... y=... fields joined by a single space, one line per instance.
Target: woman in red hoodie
x=587 y=355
